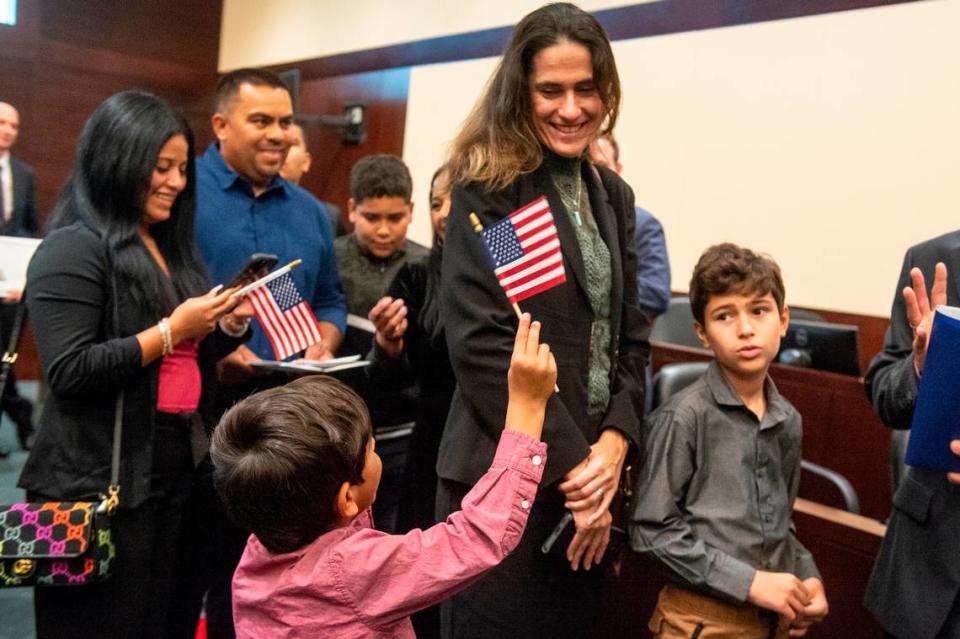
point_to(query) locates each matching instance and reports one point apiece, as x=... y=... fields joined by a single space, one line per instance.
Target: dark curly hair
x=380 y=175
x=728 y=268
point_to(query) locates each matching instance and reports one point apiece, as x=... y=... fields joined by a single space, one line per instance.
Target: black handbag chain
x=10 y=356
x=112 y=498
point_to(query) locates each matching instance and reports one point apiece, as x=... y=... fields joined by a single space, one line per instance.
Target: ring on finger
x=599 y=492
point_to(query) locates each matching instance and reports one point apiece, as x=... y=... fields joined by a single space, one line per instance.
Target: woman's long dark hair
x=116 y=156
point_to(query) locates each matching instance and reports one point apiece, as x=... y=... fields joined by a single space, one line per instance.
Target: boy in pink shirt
x=296 y=465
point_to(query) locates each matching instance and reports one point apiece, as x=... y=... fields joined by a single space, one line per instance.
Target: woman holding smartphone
x=120 y=305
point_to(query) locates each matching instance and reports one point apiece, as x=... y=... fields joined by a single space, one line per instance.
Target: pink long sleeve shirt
x=360 y=582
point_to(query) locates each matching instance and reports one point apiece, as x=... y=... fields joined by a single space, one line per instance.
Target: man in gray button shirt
x=722 y=468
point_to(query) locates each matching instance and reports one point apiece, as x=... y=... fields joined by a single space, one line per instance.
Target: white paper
x=312 y=365
x=15 y=254
x=949 y=311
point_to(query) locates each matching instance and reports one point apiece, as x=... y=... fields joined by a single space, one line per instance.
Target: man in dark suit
x=17 y=217
x=915 y=588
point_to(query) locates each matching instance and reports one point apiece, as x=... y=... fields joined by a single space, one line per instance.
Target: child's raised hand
x=780 y=592
x=531 y=379
x=533 y=371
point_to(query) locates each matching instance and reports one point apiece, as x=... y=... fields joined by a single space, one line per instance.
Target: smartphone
x=259 y=265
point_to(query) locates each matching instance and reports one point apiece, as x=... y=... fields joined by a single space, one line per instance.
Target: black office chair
x=672 y=378
x=676 y=325
x=806 y=315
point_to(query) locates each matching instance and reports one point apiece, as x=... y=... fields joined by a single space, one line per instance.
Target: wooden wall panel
x=64 y=57
x=384 y=93
x=182 y=32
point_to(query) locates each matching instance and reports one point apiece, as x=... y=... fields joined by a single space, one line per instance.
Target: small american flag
x=526 y=251
x=286 y=318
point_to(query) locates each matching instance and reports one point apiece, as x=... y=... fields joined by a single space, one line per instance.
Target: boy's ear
x=784 y=320
x=346 y=507
x=701 y=333
x=352 y=210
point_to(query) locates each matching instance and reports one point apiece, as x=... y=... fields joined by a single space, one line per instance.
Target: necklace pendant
x=576 y=218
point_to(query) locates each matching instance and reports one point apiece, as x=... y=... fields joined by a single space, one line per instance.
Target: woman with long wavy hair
x=555 y=91
x=119 y=304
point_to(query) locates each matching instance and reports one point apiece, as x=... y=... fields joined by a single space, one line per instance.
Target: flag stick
x=478 y=227
x=266 y=279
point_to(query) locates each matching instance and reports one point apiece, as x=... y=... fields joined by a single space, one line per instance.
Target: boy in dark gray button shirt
x=722 y=468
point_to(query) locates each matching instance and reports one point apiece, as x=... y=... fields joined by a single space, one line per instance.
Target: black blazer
x=917 y=575
x=480 y=328
x=23 y=221
x=70 y=300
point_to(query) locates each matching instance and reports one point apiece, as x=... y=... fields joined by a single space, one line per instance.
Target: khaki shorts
x=682 y=614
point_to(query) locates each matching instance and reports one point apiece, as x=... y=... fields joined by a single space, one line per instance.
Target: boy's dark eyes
x=393 y=218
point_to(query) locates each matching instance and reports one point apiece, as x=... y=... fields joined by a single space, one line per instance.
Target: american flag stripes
x=285 y=317
x=525 y=251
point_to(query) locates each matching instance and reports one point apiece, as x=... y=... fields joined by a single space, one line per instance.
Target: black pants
x=131 y=603
x=529 y=594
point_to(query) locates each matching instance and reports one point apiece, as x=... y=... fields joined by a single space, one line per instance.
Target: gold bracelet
x=166 y=335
